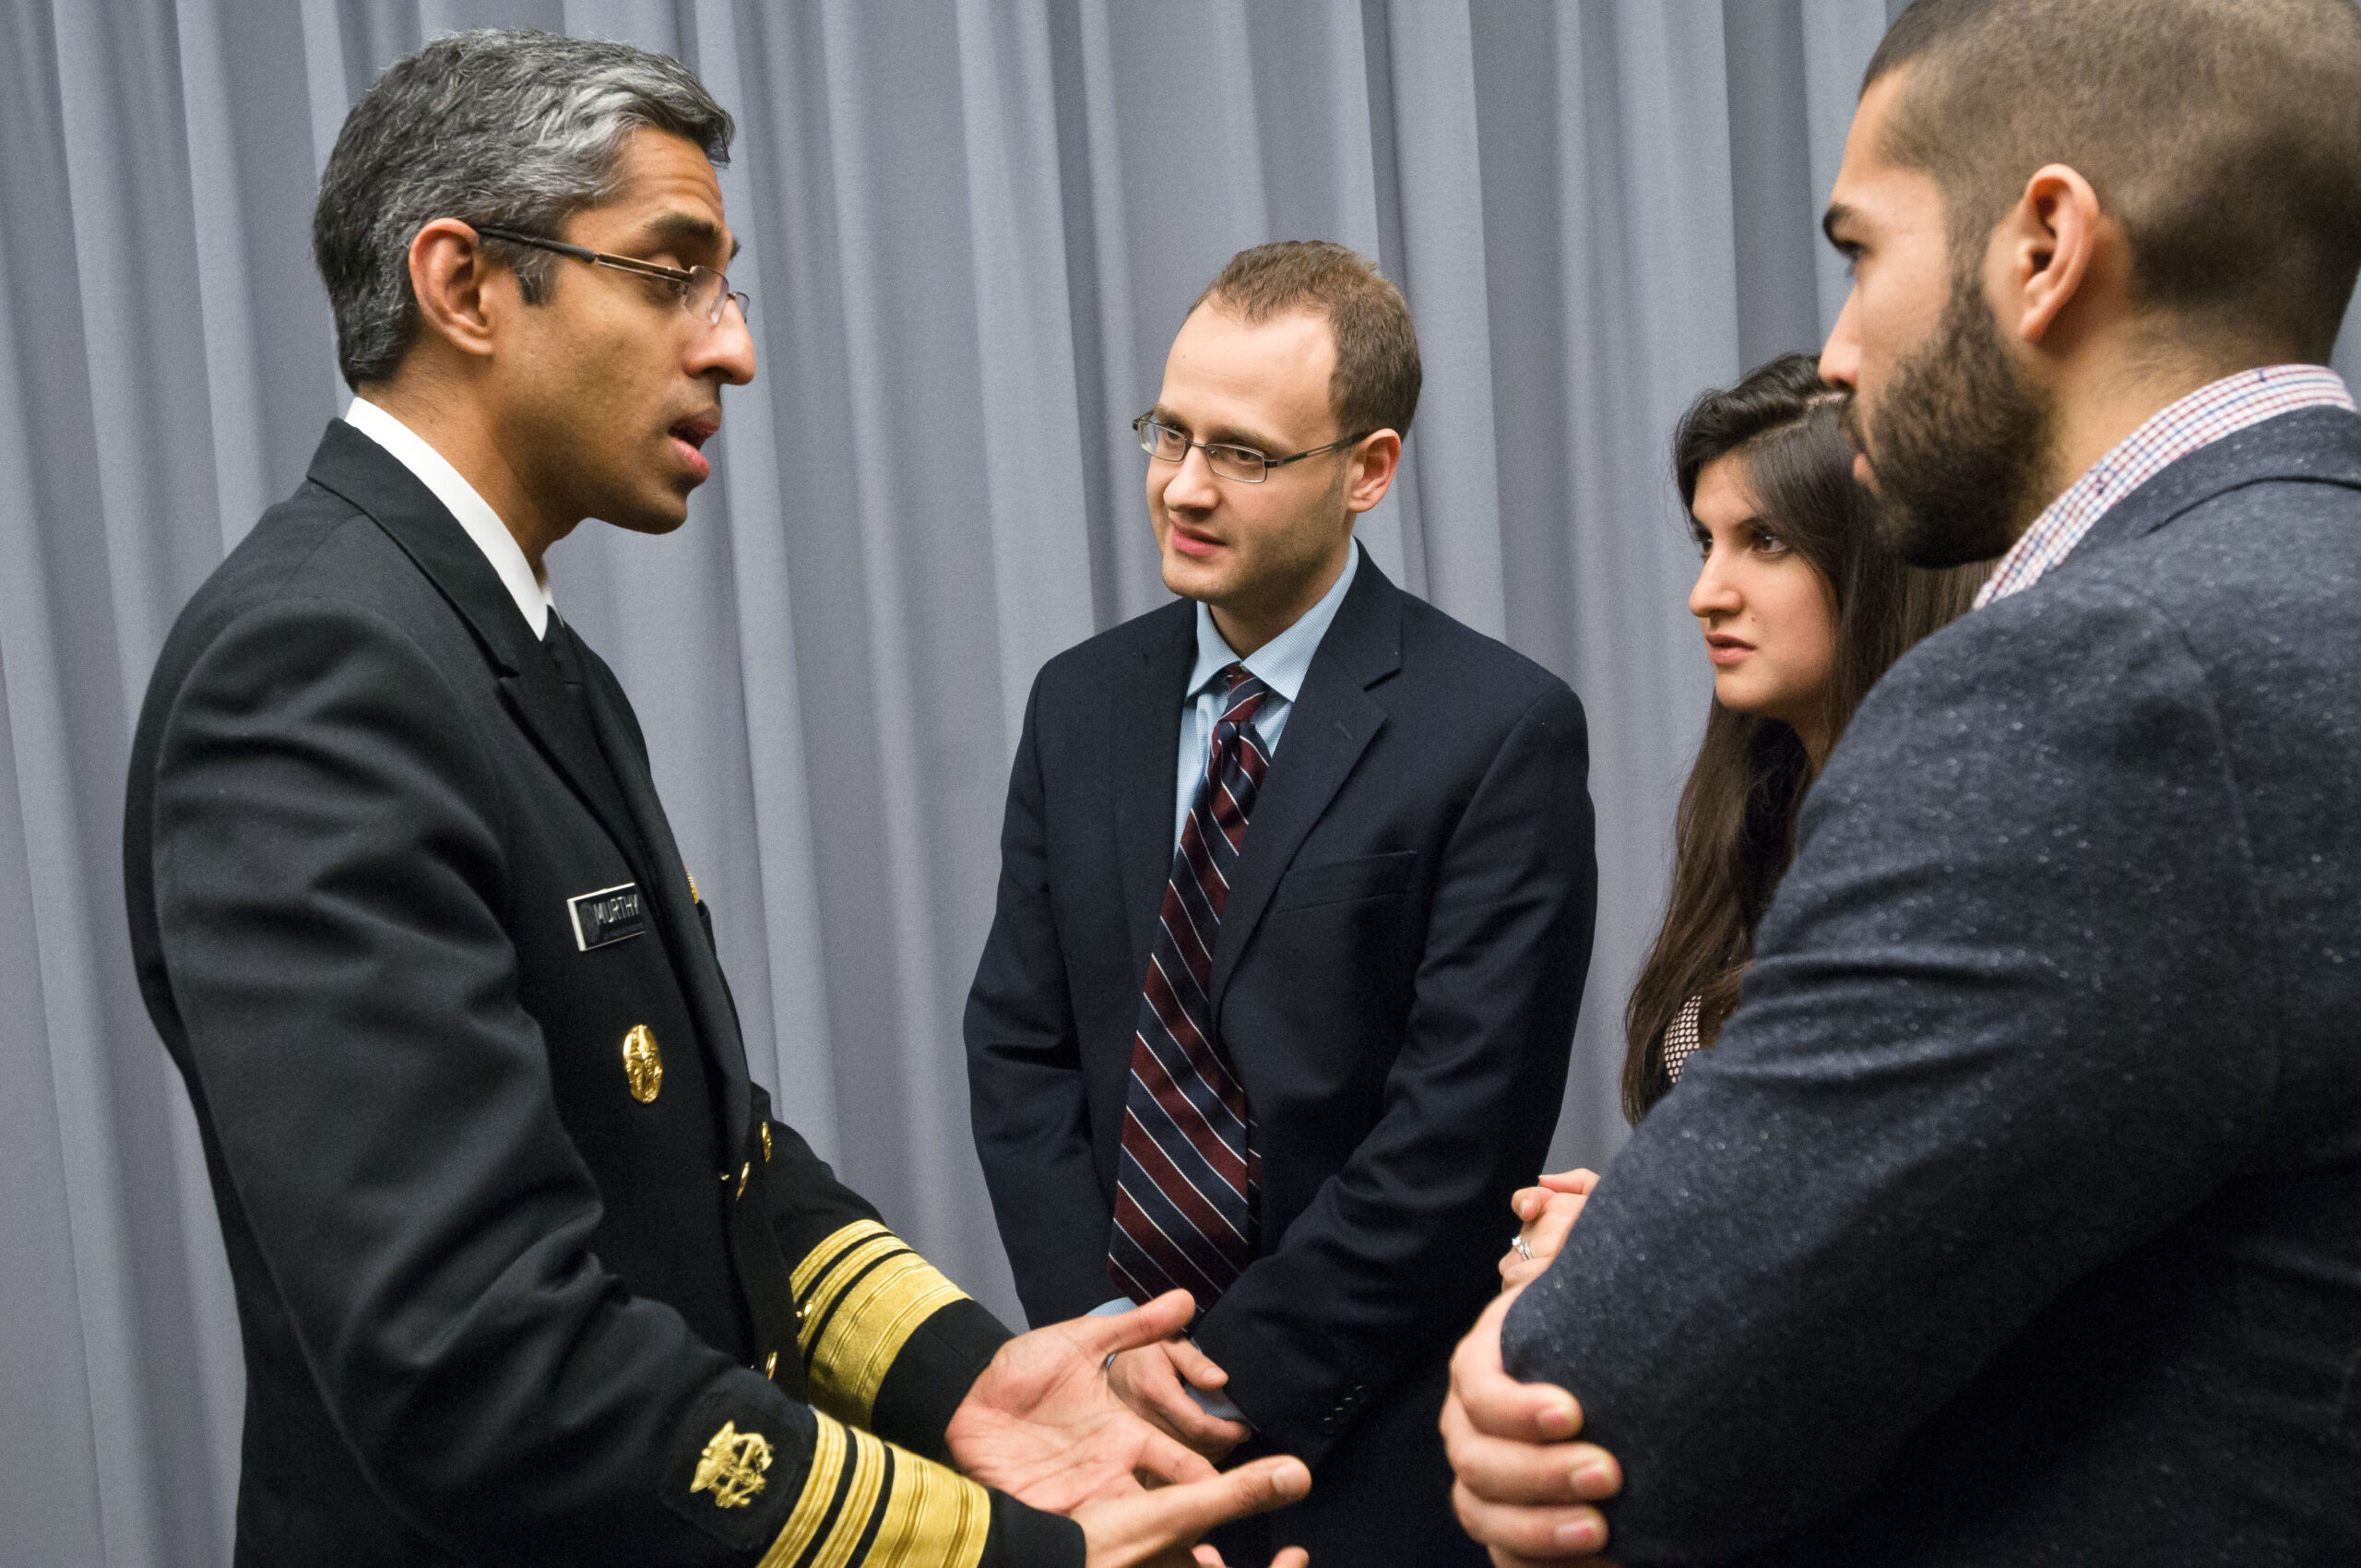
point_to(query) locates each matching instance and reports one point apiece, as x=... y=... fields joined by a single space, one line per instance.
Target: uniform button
x=766 y=1142
x=743 y=1171
x=770 y=1363
x=643 y=1064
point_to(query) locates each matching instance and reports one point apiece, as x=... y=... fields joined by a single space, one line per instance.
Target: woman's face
x=1769 y=620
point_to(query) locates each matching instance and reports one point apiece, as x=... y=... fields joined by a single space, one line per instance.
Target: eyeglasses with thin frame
x=1227 y=459
x=700 y=291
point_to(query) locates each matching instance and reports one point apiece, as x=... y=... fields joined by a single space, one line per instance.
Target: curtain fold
x=971 y=229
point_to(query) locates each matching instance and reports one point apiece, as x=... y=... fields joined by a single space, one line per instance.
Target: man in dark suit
x=2017 y=1215
x=526 y=1271
x=1294 y=913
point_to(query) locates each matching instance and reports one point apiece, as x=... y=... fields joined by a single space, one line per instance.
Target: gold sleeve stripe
x=824 y=1257
x=863 y=1294
x=929 y=1514
x=822 y=1500
x=867 y=1502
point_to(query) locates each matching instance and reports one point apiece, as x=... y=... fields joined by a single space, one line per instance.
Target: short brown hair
x=1375 y=384
x=2223 y=134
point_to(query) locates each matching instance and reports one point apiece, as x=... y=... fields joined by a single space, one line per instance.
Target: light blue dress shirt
x=1280 y=664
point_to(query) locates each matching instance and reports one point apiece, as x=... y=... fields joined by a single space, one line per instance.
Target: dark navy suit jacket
x=1396 y=978
x=2017 y=1216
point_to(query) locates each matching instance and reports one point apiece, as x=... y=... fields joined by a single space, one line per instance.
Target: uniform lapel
x=1144 y=738
x=666 y=883
x=1334 y=721
x=371 y=478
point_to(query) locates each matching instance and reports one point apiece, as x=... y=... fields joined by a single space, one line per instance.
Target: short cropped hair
x=511 y=128
x=2225 y=135
x=1375 y=384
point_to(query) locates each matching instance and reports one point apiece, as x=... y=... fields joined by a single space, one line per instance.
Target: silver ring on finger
x=1523 y=1249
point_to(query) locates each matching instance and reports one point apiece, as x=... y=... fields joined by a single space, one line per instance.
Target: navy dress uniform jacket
x=2016 y=1217
x=1395 y=976
x=526 y=1271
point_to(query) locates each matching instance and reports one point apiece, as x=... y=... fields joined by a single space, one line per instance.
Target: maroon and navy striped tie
x=1185 y=1190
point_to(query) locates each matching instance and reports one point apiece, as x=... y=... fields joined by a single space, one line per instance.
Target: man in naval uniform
x=526 y=1272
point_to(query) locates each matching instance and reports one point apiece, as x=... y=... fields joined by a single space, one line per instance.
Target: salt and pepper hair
x=503 y=127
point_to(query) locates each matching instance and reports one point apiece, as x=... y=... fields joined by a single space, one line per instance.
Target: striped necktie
x=1184 y=1189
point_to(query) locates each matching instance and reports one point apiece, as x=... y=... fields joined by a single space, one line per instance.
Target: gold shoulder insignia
x=731 y=1467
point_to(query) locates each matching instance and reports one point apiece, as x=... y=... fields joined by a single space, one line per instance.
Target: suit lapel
x=364 y=473
x=1334 y=721
x=1146 y=743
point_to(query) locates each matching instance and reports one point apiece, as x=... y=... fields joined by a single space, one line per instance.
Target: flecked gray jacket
x=2016 y=1217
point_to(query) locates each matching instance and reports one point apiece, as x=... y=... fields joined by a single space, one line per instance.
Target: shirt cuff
x=1215 y=1405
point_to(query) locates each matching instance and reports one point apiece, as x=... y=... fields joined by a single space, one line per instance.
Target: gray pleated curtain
x=972 y=228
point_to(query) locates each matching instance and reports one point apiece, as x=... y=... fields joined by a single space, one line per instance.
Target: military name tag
x=609 y=916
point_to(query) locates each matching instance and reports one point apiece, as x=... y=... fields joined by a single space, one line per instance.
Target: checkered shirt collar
x=2219 y=409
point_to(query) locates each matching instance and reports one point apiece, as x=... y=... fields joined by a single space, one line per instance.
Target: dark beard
x=1961 y=444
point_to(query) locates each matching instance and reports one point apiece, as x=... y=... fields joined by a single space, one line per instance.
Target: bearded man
x=2013 y=1219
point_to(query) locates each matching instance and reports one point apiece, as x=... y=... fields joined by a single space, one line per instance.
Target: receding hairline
x=1249 y=313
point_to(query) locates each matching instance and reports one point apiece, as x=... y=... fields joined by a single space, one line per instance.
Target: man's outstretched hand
x=1524 y=1486
x=1042 y=1425
x=1153 y=1529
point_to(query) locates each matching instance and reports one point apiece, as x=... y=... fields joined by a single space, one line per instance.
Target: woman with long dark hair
x=1803 y=605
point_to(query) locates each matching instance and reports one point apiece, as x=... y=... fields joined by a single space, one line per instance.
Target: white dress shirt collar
x=531 y=592
x=1281 y=663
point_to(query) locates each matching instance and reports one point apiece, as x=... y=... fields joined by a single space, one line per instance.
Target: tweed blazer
x=2017 y=1215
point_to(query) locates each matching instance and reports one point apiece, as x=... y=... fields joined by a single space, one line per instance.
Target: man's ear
x=454 y=282
x=1371 y=475
x=2045 y=249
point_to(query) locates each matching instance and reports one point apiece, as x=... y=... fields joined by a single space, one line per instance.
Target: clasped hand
x=1546 y=1213
x=1043 y=1425
x=1524 y=1486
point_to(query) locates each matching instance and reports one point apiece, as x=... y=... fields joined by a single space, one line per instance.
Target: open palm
x=1042 y=1425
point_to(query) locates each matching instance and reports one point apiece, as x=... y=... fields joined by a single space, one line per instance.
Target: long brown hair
x=1736 y=829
